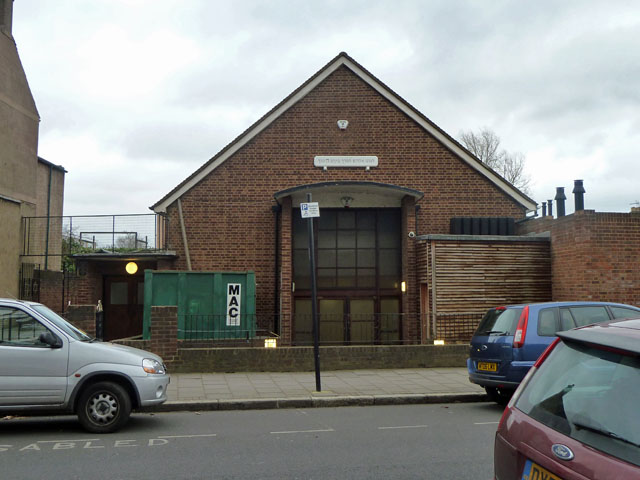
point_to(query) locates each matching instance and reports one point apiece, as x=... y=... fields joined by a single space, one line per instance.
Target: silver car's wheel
x=104 y=407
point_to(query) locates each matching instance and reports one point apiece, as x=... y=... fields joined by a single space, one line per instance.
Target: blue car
x=510 y=339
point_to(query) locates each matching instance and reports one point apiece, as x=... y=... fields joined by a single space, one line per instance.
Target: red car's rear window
x=591 y=395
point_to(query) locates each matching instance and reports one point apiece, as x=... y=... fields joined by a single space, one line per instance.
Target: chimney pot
x=560 y=198
x=578 y=191
x=550 y=205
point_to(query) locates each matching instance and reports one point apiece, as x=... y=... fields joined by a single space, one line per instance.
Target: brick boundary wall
x=82 y=317
x=164 y=332
x=594 y=256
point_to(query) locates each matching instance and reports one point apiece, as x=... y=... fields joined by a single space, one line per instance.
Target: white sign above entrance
x=311 y=209
x=326 y=161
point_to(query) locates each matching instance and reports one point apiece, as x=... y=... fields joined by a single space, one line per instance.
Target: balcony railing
x=44 y=238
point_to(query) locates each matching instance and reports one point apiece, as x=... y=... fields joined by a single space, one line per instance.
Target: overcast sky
x=134 y=95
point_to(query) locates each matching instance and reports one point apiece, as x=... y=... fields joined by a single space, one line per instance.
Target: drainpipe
x=560 y=198
x=184 y=236
x=46 y=245
x=417 y=207
x=276 y=209
x=578 y=190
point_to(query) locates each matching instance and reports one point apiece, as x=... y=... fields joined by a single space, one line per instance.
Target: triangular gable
x=344 y=60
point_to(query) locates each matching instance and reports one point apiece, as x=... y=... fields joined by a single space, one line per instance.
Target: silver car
x=47 y=365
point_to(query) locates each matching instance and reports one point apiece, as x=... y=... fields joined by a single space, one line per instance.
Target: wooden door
x=123 y=306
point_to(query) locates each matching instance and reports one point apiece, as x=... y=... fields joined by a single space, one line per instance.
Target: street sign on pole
x=310 y=210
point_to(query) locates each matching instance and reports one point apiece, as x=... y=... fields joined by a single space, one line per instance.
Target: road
x=452 y=441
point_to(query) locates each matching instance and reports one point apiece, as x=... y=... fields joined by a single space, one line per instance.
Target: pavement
x=265 y=390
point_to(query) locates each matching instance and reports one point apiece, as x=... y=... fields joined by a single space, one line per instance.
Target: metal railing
x=45 y=238
x=363 y=329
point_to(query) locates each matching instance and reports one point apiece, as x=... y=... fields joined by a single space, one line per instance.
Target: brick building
x=383 y=175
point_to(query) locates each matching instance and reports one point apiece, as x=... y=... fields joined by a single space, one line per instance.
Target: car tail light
x=521 y=329
x=546 y=353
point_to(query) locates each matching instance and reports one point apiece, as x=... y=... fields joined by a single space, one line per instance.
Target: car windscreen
x=499 y=321
x=590 y=395
x=61 y=323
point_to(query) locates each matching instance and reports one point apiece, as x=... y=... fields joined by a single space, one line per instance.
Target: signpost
x=310 y=210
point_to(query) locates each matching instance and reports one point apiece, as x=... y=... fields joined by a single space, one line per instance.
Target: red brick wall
x=228 y=217
x=594 y=256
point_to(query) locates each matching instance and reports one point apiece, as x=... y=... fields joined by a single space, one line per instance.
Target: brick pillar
x=164 y=332
x=286 y=274
x=410 y=299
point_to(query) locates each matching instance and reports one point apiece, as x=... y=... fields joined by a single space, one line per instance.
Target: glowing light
x=131 y=268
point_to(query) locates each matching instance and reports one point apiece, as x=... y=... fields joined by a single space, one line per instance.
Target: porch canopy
x=353 y=194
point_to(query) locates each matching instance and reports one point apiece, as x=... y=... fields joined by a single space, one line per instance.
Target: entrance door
x=123 y=307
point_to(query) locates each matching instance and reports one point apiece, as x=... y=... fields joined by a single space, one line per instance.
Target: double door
x=349 y=320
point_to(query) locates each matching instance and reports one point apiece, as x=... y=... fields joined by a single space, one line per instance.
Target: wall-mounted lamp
x=346 y=201
x=403 y=286
x=270 y=343
x=343 y=124
x=438 y=342
x=131 y=268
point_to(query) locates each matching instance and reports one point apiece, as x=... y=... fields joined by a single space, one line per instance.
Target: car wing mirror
x=50 y=339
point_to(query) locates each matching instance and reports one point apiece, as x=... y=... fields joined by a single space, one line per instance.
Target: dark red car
x=576 y=415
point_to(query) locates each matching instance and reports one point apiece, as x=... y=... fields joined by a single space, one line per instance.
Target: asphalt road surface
x=452 y=441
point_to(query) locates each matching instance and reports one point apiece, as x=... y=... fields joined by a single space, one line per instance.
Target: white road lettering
x=97 y=443
x=88 y=445
x=64 y=445
x=124 y=443
x=33 y=446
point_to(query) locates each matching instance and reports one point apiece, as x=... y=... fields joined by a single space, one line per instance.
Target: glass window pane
x=303 y=322
x=366 y=239
x=301 y=270
x=389 y=319
x=362 y=320
x=366 y=277
x=19 y=328
x=326 y=258
x=140 y=293
x=389 y=229
x=366 y=220
x=327 y=239
x=119 y=293
x=587 y=315
x=346 y=239
x=367 y=258
x=346 y=258
x=331 y=319
x=326 y=277
x=300 y=237
x=327 y=220
x=346 y=219
x=547 y=323
x=346 y=277
x=620 y=312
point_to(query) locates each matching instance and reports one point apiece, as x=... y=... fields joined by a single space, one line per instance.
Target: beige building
x=29 y=186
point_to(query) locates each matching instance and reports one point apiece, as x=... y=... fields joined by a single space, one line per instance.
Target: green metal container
x=211 y=305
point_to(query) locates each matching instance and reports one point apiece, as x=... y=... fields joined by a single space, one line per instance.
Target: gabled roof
x=344 y=60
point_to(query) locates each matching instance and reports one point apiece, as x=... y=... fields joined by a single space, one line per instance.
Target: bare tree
x=485 y=145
